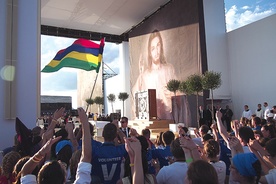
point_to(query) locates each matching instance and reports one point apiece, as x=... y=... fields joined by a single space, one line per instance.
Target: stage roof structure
x=95 y=19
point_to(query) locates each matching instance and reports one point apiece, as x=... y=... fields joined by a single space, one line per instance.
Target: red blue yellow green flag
x=83 y=54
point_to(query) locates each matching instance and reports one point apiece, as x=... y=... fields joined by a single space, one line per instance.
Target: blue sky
x=242 y=12
x=64 y=82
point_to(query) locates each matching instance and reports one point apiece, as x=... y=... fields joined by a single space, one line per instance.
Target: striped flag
x=83 y=54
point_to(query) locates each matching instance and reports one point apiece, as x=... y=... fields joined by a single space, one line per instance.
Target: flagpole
x=94 y=85
x=92 y=91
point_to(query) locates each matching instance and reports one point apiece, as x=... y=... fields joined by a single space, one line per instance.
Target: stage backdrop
x=169 y=45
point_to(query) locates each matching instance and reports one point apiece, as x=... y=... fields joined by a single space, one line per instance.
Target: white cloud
x=114 y=65
x=236 y=18
x=111 y=56
x=63 y=82
x=245 y=7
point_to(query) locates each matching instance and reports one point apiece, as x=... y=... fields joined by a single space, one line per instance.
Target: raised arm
x=57 y=114
x=261 y=154
x=50 y=130
x=86 y=137
x=235 y=145
x=221 y=127
x=190 y=149
x=215 y=132
x=34 y=161
x=235 y=126
x=84 y=167
x=69 y=127
x=133 y=147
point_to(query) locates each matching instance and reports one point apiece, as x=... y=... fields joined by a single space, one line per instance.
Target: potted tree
x=173 y=86
x=194 y=85
x=99 y=101
x=123 y=97
x=111 y=98
x=89 y=102
x=211 y=81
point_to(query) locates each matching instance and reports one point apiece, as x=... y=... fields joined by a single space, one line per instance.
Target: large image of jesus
x=168 y=47
x=158 y=57
x=156 y=74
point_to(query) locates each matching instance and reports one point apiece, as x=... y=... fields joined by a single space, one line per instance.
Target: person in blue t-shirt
x=164 y=155
x=107 y=159
x=225 y=156
x=95 y=144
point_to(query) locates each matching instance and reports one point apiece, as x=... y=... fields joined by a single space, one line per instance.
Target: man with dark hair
x=245 y=134
x=256 y=123
x=124 y=128
x=146 y=134
x=176 y=172
x=108 y=157
x=203 y=130
x=164 y=155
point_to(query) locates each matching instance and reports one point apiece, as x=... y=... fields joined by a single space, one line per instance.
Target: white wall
x=252 y=56
x=113 y=85
x=27 y=66
x=245 y=57
x=120 y=83
x=125 y=72
x=216 y=45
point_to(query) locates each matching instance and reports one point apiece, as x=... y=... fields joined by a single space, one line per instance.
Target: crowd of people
x=244 y=154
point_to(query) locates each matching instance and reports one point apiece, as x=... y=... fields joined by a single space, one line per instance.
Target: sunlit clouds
x=237 y=17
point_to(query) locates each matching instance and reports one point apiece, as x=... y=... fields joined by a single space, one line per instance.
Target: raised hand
x=255 y=145
x=213 y=127
x=82 y=115
x=218 y=115
x=69 y=127
x=58 y=113
x=133 y=146
x=133 y=132
x=186 y=142
x=47 y=147
x=235 y=145
x=129 y=150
